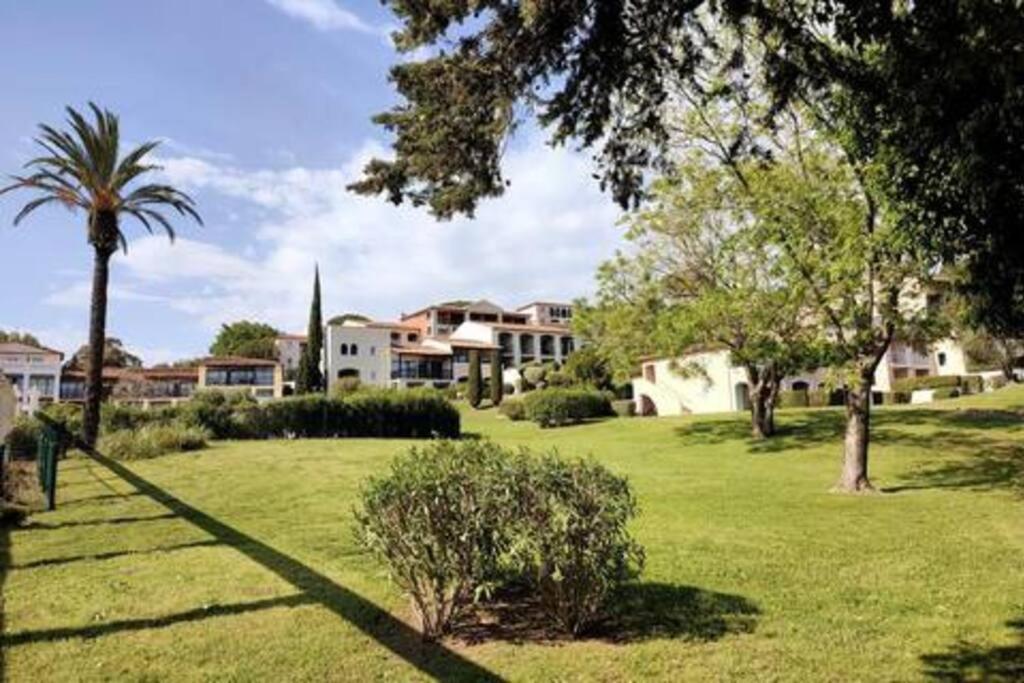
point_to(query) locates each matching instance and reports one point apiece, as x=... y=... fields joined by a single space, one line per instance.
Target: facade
x=289 y=349
x=432 y=346
x=712 y=384
x=548 y=313
x=262 y=379
x=33 y=371
x=142 y=387
x=443 y=319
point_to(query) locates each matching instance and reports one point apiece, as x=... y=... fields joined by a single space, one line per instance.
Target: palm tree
x=81 y=169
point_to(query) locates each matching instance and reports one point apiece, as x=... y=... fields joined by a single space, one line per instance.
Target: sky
x=263 y=108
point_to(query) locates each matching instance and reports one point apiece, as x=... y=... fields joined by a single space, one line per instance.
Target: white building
x=547 y=313
x=432 y=346
x=707 y=382
x=33 y=371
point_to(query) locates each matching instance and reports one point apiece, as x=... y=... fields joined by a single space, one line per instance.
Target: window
x=800 y=385
x=396 y=337
x=942 y=358
x=460 y=355
x=44 y=384
x=348 y=372
x=240 y=377
x=650 y=374
x=413 y=337
x=344 y=349
x=373 y=350
x=354 y=349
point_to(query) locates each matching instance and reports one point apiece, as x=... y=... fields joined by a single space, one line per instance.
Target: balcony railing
x=413 y=373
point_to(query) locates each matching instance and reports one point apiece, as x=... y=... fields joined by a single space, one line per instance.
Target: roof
x=390 y=325
x=292 y=337
x=469 y=344
x=543 y=303
x=18 y=347
x=420 y=350
x=113 y=374
x=513 y=327
x=235 y=361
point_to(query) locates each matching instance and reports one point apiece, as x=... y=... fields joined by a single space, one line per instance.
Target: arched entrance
x=647 y=407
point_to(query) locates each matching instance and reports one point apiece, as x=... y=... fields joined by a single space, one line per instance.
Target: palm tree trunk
x=97 y=344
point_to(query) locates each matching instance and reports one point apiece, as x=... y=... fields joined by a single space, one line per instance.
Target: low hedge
x=945 y=392
x=912 y=384
x=558 y=407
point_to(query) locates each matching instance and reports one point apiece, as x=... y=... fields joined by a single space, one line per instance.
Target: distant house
x=34 y=372
x=706 y=381
x=143 y=387
x=262 y=379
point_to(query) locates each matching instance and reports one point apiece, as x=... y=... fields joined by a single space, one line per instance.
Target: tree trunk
x=854 y=478
x=762 y=406
x=97 y=344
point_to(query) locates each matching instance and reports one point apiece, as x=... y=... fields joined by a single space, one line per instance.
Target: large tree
x=19 y=337
x=722 y=288
x=246 y=339
x=310 y=378
x=931 y=89
x=82 y=169
x=115 y=355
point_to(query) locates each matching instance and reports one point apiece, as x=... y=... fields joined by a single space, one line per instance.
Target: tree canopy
x=247 y=339
x=930 y=89
x=19 y=337
x=115 y=355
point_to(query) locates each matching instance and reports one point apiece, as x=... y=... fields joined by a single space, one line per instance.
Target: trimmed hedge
x=377 y=413
x=558 y=407
x=794 y=398
x=911 y=384
x=945 y=392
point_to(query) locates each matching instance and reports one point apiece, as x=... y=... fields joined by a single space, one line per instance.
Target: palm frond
x=33 y=205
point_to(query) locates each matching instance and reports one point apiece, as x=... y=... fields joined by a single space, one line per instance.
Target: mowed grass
x=238 y=563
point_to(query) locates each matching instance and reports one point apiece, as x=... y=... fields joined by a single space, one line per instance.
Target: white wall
x=21 y=368
x=712 y=390
x=954 y=356
x=372 y=359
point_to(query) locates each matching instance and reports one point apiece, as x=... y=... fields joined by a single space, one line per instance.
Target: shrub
x=624 y=407
x=558 y=407
x=972 y=384
x=23 y=439
x=496 y=387
x=900 y=397
x=534 y=376
x=911 y=384
x=572 y=540
x=346 y=385
x=439 y=521
x=513 y=409
x=68 y=415
x=945 y=392
x=455 y=520
x=558 y=378
x=216 y=412
x=115 y=417
x=794 y=398
x=152 y=440
x=997 y=382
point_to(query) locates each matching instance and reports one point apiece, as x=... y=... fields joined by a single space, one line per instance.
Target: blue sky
x=264 y=107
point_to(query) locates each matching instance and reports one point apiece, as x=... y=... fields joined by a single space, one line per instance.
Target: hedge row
x=968 y=384
x=558 y=407
x=817 y=398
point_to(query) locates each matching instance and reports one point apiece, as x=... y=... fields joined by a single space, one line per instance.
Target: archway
x=647 y=407
x=741 y=396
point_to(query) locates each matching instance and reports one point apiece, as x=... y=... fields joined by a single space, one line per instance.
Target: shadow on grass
x=970 y=662
x=43 y=526
x=643 y=611
x=793 y=432
x=401 y=639
x=57 y=561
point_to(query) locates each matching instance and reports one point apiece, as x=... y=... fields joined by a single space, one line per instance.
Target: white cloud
x=542 y=240
x=325 y=15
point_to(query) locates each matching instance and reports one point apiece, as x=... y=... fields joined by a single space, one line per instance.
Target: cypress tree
x=309 y=379
x=497 y=386
x=474 y=390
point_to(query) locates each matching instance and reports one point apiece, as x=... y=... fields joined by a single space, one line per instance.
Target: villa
x=431 y=347
x=720 y=386
x=33 y=371
x=289 y=348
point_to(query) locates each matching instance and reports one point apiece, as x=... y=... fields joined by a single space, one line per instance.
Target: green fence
x=53 y=443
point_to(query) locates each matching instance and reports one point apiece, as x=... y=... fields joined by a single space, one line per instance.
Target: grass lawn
x=237 y=563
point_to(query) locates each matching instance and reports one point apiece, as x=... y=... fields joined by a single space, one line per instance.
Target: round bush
x=624 y=407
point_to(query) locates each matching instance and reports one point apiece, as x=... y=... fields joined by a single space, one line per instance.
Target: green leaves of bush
x=455 y=520
x=559 y=407
x=152 y=440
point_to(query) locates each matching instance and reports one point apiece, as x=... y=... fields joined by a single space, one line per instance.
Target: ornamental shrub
x=513 y=409
x=997 y=382
x=152 y=440
x=454 y=520
x=496 y=386
x=23 y=439
x=474 y=382
x=440 y=521
x=558 y=407
x=217 y=412
x=911 y=384
x=571 y=539
x=945 y=392
x=972 y=384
